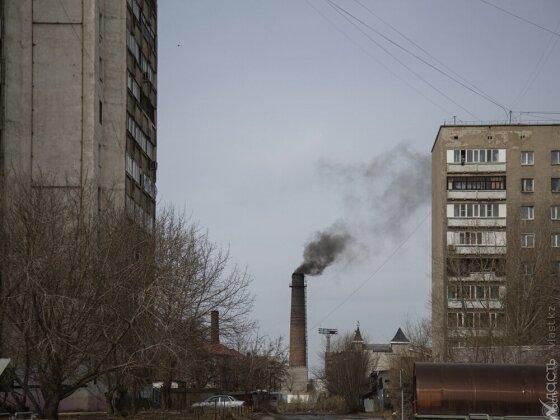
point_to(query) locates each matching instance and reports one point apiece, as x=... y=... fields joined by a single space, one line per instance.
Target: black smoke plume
x=325 y=248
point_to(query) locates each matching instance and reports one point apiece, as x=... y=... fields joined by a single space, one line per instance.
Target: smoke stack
x=214 y=327
x=298 y=322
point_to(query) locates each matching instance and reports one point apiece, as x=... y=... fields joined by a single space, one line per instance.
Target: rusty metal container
x=467 y=388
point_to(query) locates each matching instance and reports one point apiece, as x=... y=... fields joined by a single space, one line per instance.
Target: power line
x=521 y=18
x=339 y=10
x=466 y=86
x=391 y=255
x=372 y=57
x=370 y=11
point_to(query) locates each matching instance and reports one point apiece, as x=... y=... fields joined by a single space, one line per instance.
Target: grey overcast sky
x=278 y=118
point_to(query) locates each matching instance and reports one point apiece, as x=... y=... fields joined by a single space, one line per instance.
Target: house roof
x=221 y=350
x=399 y=338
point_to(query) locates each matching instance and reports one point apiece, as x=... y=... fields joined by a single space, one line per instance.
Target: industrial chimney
x=297 y=371
x=214 y=327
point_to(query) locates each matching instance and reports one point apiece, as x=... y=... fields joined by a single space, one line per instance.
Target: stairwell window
x=527 y=185
x=527 y=158
x=527 y=240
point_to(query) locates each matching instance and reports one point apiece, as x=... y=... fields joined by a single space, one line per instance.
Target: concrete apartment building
x=495 y=231
x=78 y=96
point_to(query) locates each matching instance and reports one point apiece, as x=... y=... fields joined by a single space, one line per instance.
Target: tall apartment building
x=495 y=232
x=78 y=96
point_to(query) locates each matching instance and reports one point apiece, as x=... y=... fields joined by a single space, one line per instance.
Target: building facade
x=495 y=235
x=78 y=94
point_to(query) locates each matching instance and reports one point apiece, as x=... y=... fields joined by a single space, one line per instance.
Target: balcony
x=476 y=222
x=478 y=277
x=476 y=249
x=474 y=304
x=476 y=167
x=476 y=195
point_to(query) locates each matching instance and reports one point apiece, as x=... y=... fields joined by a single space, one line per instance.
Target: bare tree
x=347 y=372
x=75 y=284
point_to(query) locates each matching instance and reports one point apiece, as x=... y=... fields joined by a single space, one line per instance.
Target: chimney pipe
x=214 y=327
x=298 y=322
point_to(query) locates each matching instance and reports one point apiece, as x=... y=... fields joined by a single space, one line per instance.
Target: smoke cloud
x=380 y=198
x=325 y=248
x=383 y=195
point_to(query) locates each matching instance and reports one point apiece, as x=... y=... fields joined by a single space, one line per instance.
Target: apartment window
x=494 y=293
x=527 y=185
x=527 y=269
x=453 y=320
x=556 y=268
x=100 y=112
x=476 y=210
x=527 y=240
x=555 y=240
x=555 y=157
x=469 y=320
x=476 y=183
x=555 y=212
x=451 y=292
x=476 y=155
x=555 y=184
x=528 y=158
x=479 y=292
x=527 y=212
x=470 y=238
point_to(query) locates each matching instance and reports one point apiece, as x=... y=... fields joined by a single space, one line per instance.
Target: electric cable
x=379 y=267
x=466 y=86
x=521 y=18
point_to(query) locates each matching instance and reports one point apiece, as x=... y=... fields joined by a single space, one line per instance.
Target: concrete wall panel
x=57 y=11
x=57 y=101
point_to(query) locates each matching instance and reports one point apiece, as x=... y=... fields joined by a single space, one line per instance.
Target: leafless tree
x=74 y=284
x=347 y=372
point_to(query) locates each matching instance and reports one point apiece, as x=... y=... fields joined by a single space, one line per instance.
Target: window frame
x=527 y=157
x=525 y=183
x=555 y=157
x=530 y=213
x=525 y=243
x=555 y=240
x=553 y=210
x=555 y=182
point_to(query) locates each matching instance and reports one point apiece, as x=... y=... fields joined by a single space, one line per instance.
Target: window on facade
x=555 y=157
x=476 y=183
x=484 y=320
x=470 y=238
x=479 y=292
x=527 y=269
x=555 y=212
x=527 y=212
x=528 y=158
x=476 y=210
x=452 y=319
x=452 y=292
x=555 y=184
x=556 y=268
x=527 y=184
x=555 y=240
x=100 y=112
x=476 y=155
x=469 y=320
x=494 y=292
x=527 y=240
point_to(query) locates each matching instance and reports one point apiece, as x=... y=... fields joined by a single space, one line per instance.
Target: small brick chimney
x=214 y=327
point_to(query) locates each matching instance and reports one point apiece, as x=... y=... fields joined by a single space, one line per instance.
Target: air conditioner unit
x=153 y=165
